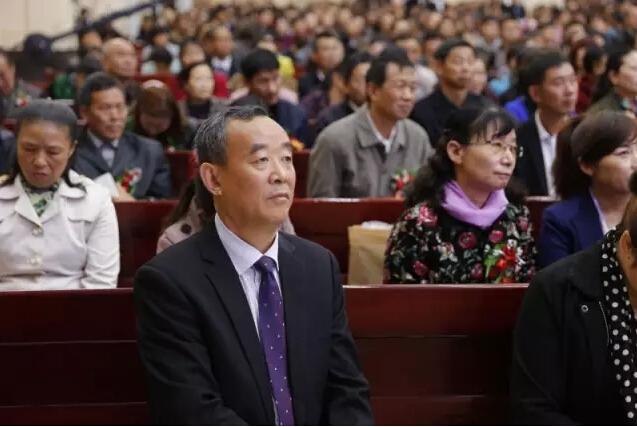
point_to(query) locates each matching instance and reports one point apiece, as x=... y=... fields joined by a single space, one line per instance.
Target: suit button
x=584 y=308
x=37 y=231
x=36 y=260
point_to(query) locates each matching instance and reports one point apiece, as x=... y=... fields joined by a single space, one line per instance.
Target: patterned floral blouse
x=427 y=245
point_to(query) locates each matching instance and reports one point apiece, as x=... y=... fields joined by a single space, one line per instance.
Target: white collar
x=98 y=142
x=242 y=254
x=387 y=142
x=14 y=190
x=600 y=214
x=541 y=130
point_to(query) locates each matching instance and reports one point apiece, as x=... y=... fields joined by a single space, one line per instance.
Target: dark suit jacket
x=568 y=227
x=530 y=167
x=200 y=348
x=133 y=151
x=309 y=82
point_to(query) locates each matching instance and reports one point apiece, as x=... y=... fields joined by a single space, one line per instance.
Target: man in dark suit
x=327 y=53
x=241 y=324
x=554 y=90
x=137 y=164
x=218 y=45
x=260 y=69
x=453 y=62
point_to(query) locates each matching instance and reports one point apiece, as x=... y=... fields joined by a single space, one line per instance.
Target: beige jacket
x=73 y=245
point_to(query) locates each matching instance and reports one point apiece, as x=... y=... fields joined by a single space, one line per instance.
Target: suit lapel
x=88 y=151
x=124 y=156
x=227 y=284
x=293 y=282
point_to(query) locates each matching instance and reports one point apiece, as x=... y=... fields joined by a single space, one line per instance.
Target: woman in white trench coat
x=58 y=230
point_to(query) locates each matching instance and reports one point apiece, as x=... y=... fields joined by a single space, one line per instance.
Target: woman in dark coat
x=575 y=341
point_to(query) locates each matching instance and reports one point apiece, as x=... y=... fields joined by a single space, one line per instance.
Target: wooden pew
x=183 y=168
x=140 y=224
x=325 y=221
x=301 y=161
x=432 y=354
x=536 y=205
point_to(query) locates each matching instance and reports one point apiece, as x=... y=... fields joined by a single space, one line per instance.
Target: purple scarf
x=459 y=206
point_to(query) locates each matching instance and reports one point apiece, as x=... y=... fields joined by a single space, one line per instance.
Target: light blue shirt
x=243 y=256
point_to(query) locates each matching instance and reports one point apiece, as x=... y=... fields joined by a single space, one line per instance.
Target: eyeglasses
x=500 y=147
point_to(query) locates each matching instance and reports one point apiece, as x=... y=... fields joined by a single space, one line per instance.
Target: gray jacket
x=349 y=161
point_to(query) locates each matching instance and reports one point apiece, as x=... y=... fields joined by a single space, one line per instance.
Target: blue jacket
x=568 y=227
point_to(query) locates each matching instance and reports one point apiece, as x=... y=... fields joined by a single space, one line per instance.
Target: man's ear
x=209 y=174
x=455 y=151
x=83 y=112
x=534 y=93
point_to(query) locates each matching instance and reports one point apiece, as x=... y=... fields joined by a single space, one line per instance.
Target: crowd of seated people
x=371 y=92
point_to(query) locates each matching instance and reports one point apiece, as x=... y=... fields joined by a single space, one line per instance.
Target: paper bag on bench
x=367 y=244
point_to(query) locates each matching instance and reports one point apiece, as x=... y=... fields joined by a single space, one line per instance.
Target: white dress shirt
x=387 y=142
x=243 y=256
x=73 y=245
x=600 y=214
x=548 y=144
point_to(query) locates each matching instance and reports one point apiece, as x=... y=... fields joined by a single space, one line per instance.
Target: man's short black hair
x=257 y=61
x=346 y=68
x=97 y=82
x=327 y=34
x=161 y=55
x=541 y=62
x=377 y=73
x=447 y=46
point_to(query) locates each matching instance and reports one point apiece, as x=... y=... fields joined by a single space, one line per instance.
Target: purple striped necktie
x=272 y=334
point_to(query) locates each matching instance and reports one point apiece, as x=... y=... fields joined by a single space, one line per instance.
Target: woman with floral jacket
x=460 y=225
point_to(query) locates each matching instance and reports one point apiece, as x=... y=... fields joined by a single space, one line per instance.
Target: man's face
x=329 y=53
x=412 y=47
x=356 y=87
x=222 y=43
x=106 y=115
x=511 y=31
x=625 y=79
x=455 y=70
x=266 y=85
x=490 y=30
x=558 y=91
x=396 y=97
x=7 y=76
x=257 y=182
x=120 y=60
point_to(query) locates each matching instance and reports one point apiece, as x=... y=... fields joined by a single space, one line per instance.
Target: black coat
x=203 y=358
x=561 y=363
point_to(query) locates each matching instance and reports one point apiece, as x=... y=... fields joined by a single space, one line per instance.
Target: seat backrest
x=325 y=221
x=432 y=354
x=183 y=168
x=140 y=225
